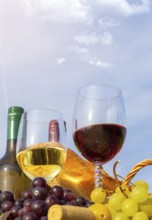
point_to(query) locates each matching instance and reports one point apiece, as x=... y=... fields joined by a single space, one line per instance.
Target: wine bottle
x=11 y=176
x=54 y=131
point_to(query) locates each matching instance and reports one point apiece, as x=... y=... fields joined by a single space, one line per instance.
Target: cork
x=66 y=212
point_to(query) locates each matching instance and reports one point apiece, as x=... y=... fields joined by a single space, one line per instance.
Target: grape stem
x=116 y=177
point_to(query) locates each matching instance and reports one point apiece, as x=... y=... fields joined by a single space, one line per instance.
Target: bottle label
x=14 y=182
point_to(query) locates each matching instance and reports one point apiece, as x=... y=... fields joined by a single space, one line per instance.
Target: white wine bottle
x=11 y=176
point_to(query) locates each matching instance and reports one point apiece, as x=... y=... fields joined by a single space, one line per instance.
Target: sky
x=49 y=49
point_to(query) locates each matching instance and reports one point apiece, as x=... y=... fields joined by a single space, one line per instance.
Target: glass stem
x=98 y=174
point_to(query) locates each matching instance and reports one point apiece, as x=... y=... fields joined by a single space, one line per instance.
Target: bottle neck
x=12 y=132
x=54 y=133
x=12 y=129
x=13 y=121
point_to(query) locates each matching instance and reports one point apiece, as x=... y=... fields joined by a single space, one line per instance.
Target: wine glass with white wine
x=41 y=144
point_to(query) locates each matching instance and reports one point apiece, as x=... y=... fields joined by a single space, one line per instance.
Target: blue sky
x=49 y=49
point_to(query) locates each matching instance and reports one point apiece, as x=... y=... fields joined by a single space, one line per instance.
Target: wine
x=12 y=178
x=44 y=159
x=100 y=142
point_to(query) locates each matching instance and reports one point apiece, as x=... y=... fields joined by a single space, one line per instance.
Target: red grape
x=57 y=191
x=27 y=194
x=52 y=200
x=30 y=216
x=6 y=196
x=39 y=193
x=14 y=211
x=39 y=181
x=39 y=207
x=6 y=206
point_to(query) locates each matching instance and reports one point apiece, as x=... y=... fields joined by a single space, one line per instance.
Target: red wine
x=100 y=142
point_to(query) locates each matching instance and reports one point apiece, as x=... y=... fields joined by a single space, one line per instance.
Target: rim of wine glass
x=42 y=109
x=105 y=85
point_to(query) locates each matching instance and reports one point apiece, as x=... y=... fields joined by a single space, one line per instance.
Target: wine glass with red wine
x=99 y=125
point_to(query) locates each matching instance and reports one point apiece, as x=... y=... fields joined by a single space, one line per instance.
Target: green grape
x=140 y=216
x=120 y=216
x=112 y=211
x=139 y=193
x=129 y=207
x=142 y=183
x=116 y=199
x=125 y=189
x=100 y=211
x=98 y=195
x=146 y=207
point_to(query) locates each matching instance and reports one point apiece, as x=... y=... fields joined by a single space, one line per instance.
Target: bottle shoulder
x=9 y=166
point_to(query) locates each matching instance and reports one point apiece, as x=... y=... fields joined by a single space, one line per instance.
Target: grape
x=112 y=211
x=72 y=202
x=125 y=189
x=98 y=195
x=39 y=181
x=100 y=211
x=120 y=216
x=80 y=201
x=129 y=207
x=30 y=216
x=68 y=196
x=67 y=191
x=116 y=199
x=39 y=207
x=62 y=201
x=23 y=211
x=52 y=200
x=139 y=193
x=6 y=206
x=57 y=191
x=28 y=202
x=14 y=211
x=19 y=202
x=44 y=218
x=142 y=183
x=88 y=203
x=27 y=194
x=140 y=216
x=146 y=206
x=6 y=196
x=39 y=193
x=18 y=218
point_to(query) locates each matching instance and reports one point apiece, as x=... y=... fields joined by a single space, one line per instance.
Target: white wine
x=44 y=159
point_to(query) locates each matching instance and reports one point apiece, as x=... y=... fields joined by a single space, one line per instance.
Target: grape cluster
x=35 y=201
x=126 y=203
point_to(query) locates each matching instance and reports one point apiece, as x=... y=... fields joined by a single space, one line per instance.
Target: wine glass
x=99 y=125
x=41 y=143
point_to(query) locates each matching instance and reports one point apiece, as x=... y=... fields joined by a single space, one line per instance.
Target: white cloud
x=60 y=60
x=82 y=51
x=83 y=11
x=106 y=22
x=87 y=38
x=105 y=38
x=125 y=8
x=99 y=63
x=57 y=10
